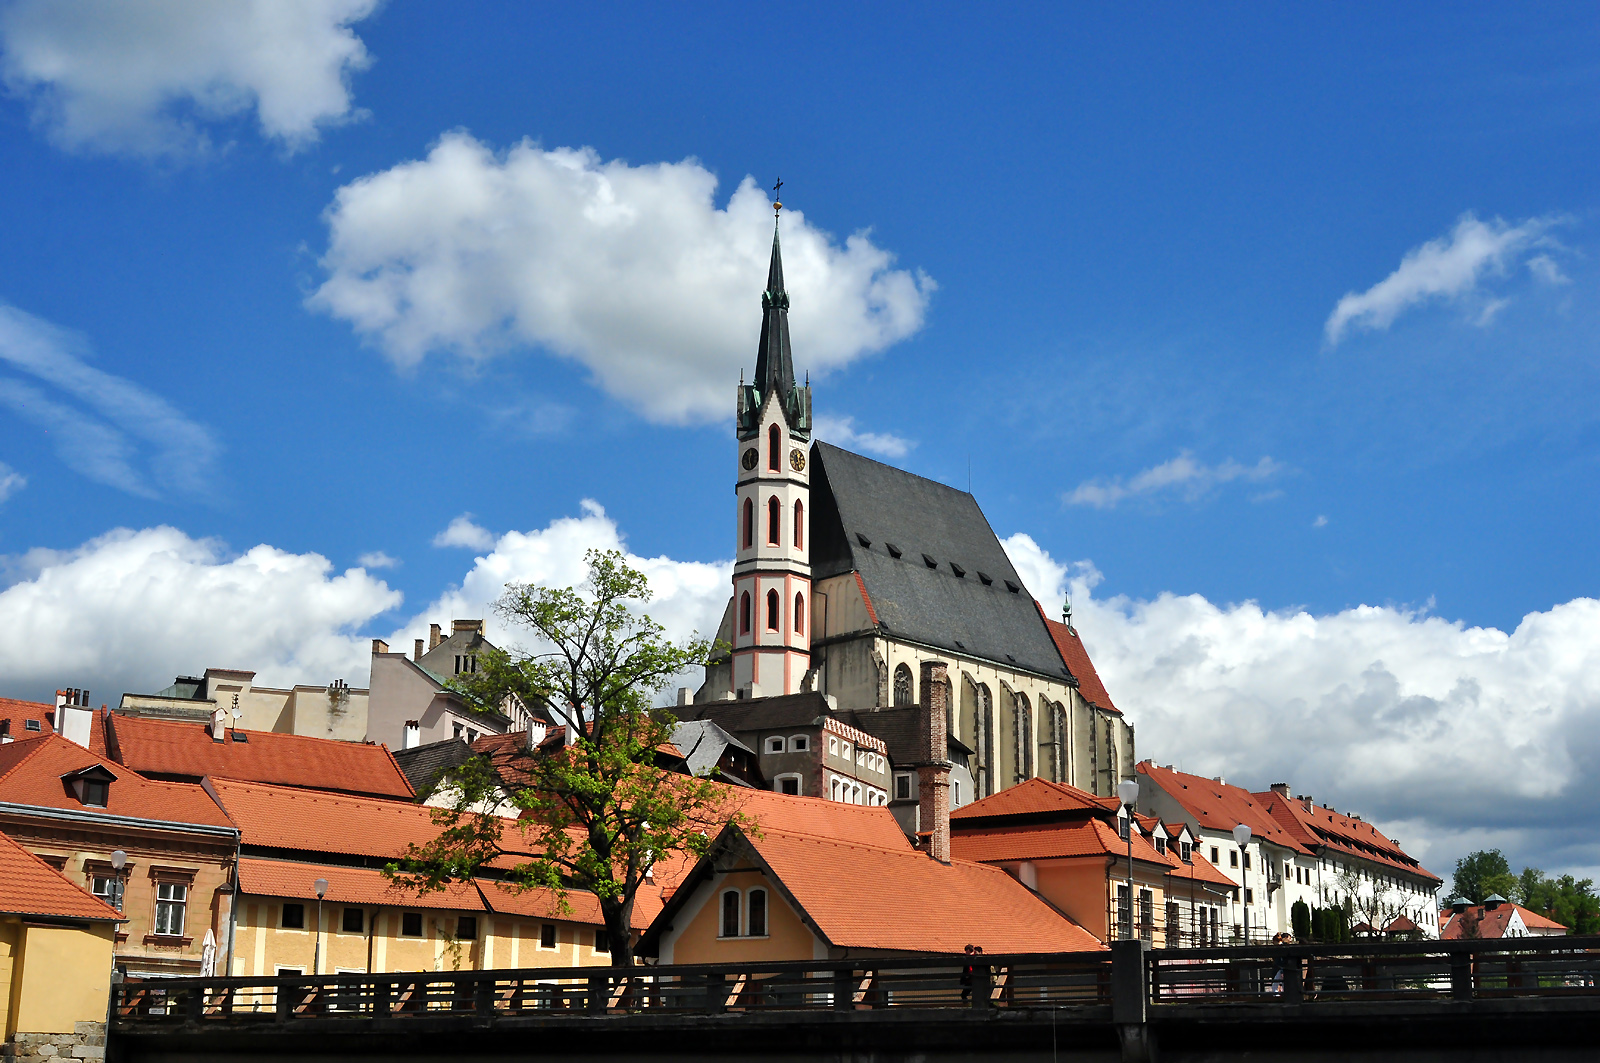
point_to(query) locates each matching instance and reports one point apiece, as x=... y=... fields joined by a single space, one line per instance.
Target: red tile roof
x=1092 y=837
x=31 y=774
x=1076 y=658
x=1200 y=870
x=1453 y=927
x=583 y=907
x=1340 y=832
x=18 y=713
x=1219 y=806
x=349 y=885
x=31 y=887
x=1034 y=797
x=1400 y=924
x=184 y=748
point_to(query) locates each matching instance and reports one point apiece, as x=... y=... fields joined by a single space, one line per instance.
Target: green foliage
x=1300 y=920
x=1481 y=874
x=598 y=812
x=1569 y=901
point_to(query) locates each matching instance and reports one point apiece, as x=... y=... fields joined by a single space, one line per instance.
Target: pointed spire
x=774 y=360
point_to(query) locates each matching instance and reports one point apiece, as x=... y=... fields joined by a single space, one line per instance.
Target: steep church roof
x=774 y=359
x=932 y=566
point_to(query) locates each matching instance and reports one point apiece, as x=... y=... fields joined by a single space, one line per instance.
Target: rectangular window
x=294 y=917
x=467 y=928
x=1233 y=858
x=1174 y=934
x=902 y=787
x=1161 y=846
x=774 y=745
x=547 y=936
x=955 y=794
x=1188 y=852
x=1249 y=896
x=1213 y=854
x=95 y=792
x=1124 y=912
x=1147 y=914
x=600 y=942
x=791 y=785
x=1122 y=827
x=411 y=924
x=1247 y=859
x=171 y=899
x=290 y=972
x=758 y=913
x=354 y=922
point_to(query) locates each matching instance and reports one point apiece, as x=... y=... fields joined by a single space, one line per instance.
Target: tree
x=1569 y=901
x=1300 y=920
x=1481 y=874
x=599 y=811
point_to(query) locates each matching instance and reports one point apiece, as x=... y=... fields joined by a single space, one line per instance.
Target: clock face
x=750 y=458
x=797 y=460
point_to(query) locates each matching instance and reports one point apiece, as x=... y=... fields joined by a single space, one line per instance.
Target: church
x=849 y=574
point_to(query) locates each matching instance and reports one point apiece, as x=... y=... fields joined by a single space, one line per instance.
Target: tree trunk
x=619 y=935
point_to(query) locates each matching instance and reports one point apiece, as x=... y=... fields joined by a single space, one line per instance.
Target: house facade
x=333 y=710
x=411 y=703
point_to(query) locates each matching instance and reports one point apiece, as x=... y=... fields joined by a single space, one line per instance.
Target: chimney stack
x=1281 y=789
x=416 y=650
x=933 y=769
x=433 y=636
x=219 y=724
x=685 y=697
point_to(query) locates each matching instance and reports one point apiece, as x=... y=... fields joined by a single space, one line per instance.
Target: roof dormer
x=91 y=785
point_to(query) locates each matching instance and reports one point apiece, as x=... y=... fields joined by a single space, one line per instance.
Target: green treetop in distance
x=598 y=811
x=1482 y=874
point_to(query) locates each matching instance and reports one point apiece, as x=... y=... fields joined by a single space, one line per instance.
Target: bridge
x=1519 y=999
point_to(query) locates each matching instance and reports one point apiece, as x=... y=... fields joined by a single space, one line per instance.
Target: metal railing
x=1148 y=980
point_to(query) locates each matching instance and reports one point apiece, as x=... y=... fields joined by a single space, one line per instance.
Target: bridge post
x=381 y=992
x=599 y=991
x=982 y=984
x=716 y=993
x=483 y=998
x=1461 y=975
x=843 y=988
x=1130 y=998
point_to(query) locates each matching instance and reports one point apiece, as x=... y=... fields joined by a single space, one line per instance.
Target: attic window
x=958 y=570
x=96 y=792
x=1012 y=587
x=960 y=645
x=1010 y=658
x=894 y=551
x=863 y=540
x=985 y=579
x=30 y=725
x=930 y=562
x=240 y=736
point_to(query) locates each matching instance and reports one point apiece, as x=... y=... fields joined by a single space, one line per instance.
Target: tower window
x=749 y=537
x=774 y=449
x=799 y=614
x=799 y=525
x=902 y=686
x=774 y=520
x=772 y=610
x=744 y=613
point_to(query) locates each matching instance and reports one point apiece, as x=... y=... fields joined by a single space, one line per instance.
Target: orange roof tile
x=349 y=885
x=1346 y=834
x=184 y=748
x=1034 y=797
x=1200 y=870
x=1052 y=841
x=583 y=907
x=18 y=713
x=31 y=774
x=1534 y=921
x=31 y=887
x=1076 y=658
x=1220 y=806
x=1453 y=927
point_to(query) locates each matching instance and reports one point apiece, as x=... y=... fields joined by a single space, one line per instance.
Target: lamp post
x=321 y=886
x=1128 y=794
x=119 y=860
x=1241 y=837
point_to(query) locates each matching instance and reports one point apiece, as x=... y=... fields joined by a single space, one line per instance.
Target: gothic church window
x=902 y=686
x=774 y=449
x=799 y=526
x=744 y=613
x=749 y=524
x=799 y=614
x=772 y=610
x=774 y=520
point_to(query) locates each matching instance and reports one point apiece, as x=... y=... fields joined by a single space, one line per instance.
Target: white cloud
x=177 y=453
x=632 y=271
x=131 y=609
x=1181 y=475
x=11 y=481
x=142 y=78
x=1320 y=522
x=1449 y=267
x=1452 y=736
x=462 y=532
x=842 y=431
x=378 y=559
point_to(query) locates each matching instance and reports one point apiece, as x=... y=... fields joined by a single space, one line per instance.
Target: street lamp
x=321 y=886
x=1128 y=794
x=119 y=860
x=1241 y=837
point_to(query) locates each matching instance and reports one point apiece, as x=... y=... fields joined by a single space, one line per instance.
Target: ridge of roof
x=133 y=794
x=1034 y=797
x=1219 y=805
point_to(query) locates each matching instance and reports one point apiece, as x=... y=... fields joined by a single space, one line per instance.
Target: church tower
x=772 y=567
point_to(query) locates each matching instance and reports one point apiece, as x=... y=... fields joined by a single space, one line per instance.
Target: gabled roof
x=1048 y=841
x=762 y=714
x=186 y=749
x=31 y=773
x=424 y=765
x=1035 y=798
x=862 y=508
x=1454 y=926
x=1400 y=924
x=1220 y=806
x=1201 y=870
x=1078 y=663
x=30 y=887
x=850 y=873
x=702 y=743
x=1340 y=832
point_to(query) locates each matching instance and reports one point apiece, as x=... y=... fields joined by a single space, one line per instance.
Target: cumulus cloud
x=631 y=271
x=11 y=481
x=842 y=431
x=1321 y=521
x=131 y=609
x=1182 y=475
x=462 y=532
x=1450 y=268
x=378 y=559
x=143 y=78
x=120 y=433
x=1450 y=736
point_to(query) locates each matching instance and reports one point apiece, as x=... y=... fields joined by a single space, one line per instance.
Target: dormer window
x=30 y=725
x=91 y=785
x=1161 y=845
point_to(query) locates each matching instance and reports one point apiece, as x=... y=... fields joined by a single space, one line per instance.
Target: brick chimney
x=379 y=646
x=933 y=767
x=1281 y=789
x=416 y=650
x=434 y=638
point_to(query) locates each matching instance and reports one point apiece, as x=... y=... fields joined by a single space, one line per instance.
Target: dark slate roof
x=762 y=714
x=864 y=511
x=423 y=765
x=899 y=730
x=702 y=744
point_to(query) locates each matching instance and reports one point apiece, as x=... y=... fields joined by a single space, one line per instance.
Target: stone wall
x=86 y=1041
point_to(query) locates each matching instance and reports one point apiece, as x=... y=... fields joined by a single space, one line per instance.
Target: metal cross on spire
x=777 y=204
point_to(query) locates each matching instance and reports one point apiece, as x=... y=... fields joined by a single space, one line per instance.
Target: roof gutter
x=109 y=820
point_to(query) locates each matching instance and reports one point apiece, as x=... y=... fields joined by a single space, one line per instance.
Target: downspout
x=233 y=902
x=372 y=928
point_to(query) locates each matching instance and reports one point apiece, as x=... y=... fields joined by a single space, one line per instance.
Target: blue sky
x=289 y=282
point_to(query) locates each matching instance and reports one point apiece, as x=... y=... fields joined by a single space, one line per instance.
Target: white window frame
x=911 y=788
x=799 y=743
x=779 y=780
x=775 y=744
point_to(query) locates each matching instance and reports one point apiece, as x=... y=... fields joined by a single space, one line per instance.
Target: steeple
x=774 y=359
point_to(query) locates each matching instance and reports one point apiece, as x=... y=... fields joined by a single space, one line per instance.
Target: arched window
x=772 y=610
x=756 y=923
x=1058 y=743
x=799 y=525
x=799 y=613
x=774 y=449
x=902 y=686
x=1024 y=736
x=773 y=520
x=749 y=538
x=730 y=913
x=744 y=613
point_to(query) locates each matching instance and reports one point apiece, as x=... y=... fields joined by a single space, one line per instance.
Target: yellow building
x=55 y=958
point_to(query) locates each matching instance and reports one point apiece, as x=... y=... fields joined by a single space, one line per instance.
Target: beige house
x=336 y=710
x=411 y=703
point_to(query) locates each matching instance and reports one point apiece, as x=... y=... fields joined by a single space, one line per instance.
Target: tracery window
x=902 y=686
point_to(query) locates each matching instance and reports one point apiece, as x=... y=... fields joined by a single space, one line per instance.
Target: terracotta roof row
x=1035 y=797
x=1479 y=921
x=1077 y=661
x=31 y=773
x=1340 y=832
x=30 y=887
x=1220 y=806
